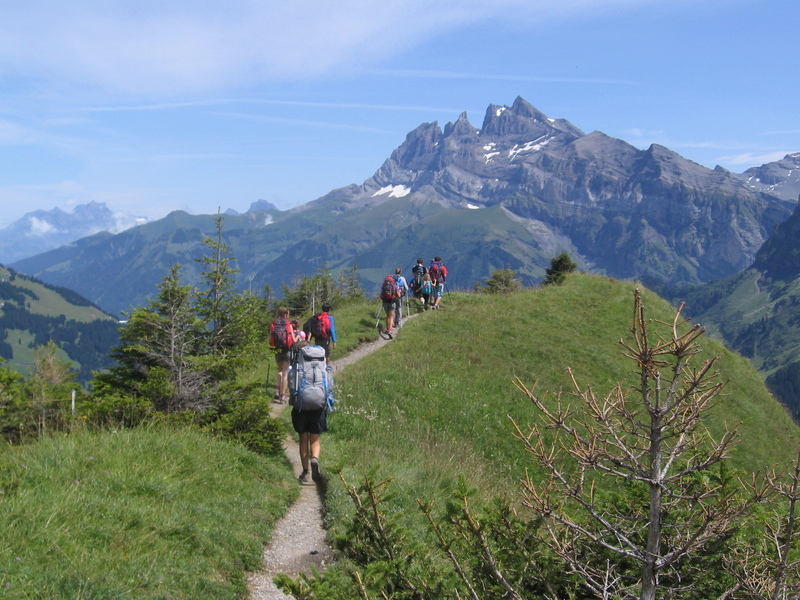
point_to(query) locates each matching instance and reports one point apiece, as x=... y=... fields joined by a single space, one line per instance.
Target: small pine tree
x=502 y=281
x=559 y=267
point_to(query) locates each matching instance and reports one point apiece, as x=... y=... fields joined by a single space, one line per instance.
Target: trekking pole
x=378 y=315
x=266 y=383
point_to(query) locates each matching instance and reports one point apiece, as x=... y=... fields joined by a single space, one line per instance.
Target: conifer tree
x=215 y=302
x=560 y=266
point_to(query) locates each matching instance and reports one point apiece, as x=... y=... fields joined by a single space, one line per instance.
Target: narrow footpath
x=298 y=542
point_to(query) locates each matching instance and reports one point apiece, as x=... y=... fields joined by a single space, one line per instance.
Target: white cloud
x=39 y=227
x=750 y=159
x=151 y=46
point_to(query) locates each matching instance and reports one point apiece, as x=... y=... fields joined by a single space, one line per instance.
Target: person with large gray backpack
x=311 y=398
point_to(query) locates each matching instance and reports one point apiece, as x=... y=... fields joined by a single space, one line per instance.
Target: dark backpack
x=311 y=380
x=281 y=334
x=437 y=271
x=419 y=273
x=318 y=326
x=389 y=289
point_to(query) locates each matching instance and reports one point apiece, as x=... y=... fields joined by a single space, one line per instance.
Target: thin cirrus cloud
x=151 y=47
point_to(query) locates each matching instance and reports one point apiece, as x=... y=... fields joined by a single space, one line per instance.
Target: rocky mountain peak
x=780 y=178
x=420 y=149
x=522 y=118
x=461 y=128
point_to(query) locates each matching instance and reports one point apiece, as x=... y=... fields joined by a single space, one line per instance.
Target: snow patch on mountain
x=533 y=146
x=394 y=191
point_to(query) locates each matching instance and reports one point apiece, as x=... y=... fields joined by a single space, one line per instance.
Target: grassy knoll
x=436 y=404
x=146 y=513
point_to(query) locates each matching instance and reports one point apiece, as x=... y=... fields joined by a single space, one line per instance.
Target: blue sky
x=152 y=106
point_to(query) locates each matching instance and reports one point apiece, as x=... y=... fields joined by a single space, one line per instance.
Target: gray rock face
x=629 y=212
x=780 y=178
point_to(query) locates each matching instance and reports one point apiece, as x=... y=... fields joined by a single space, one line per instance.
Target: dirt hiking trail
x=298 y=542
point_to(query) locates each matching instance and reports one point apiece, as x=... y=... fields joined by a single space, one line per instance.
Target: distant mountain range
x=513 y=193
x=42 y=230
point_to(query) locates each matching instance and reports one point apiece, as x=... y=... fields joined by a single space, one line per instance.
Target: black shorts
x=310 y=421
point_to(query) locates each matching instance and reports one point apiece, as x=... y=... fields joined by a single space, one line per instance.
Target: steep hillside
x=33 y=313
x=514 y=192
x=755 y=311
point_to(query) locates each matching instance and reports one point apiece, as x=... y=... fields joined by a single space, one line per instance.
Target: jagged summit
x=449 y=165
x=522 y=118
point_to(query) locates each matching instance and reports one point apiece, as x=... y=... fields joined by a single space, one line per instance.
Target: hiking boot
x=315 y=474
x=303 y=478
x=276 y=395
x=389 y=333
x=282 y=399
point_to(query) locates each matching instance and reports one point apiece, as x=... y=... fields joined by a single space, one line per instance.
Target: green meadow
x=160 y=513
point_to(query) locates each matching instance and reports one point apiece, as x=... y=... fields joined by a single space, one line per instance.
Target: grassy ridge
x=437 y=402
x=159 y=514
x=135 y=514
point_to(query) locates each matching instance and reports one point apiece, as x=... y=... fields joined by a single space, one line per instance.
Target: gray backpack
x=311 y=380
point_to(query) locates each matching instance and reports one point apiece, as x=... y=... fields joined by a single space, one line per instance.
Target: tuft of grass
x=144 y=513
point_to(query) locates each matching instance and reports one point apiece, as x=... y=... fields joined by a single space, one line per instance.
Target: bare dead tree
x=650 y=439
x=769 y=568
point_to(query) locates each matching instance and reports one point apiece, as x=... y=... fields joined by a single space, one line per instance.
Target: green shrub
x=249 y=422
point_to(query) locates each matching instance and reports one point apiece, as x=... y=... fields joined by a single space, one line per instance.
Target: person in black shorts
x=310 y=425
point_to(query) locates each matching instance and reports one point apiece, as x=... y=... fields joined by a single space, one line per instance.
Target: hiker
x=425 y=291
x=389 y=297
x=281 y=339
x=418 y=271
x=438 y=273
x=299 y=334
x=311 y=384
x=402 y=289
x=323 y=329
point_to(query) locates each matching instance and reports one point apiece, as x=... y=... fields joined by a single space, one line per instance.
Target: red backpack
x=389 y=289
x=319 y=326
x=280 y=334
